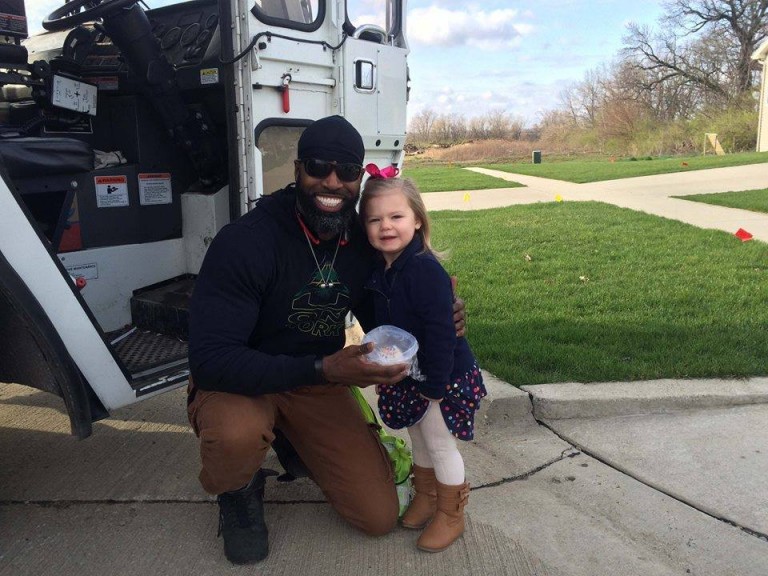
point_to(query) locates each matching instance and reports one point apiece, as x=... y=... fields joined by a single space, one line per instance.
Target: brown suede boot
x=424 y=503
x=448 y=523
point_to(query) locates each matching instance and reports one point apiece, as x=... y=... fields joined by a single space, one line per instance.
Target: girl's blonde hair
x=377 y=186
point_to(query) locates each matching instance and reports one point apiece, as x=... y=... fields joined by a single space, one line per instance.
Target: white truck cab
x=128 y=137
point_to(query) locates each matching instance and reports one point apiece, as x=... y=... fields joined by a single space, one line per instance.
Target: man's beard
x=325 y=223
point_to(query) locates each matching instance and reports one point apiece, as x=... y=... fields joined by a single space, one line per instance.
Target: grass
x=595 y=170
x=754 y=200
x=589 y=292
x=439 y=178
x=442 y=177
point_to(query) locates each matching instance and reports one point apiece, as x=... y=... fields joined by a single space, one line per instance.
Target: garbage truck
x=129 y=135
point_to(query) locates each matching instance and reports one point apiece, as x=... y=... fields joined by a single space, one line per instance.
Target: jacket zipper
x=389 y=308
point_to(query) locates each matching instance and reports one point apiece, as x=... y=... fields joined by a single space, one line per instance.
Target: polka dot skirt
x=401 y=405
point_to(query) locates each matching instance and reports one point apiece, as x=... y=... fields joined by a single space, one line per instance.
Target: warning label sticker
x=88 y=271
x=155 y=189
x=209 y=76
x=12 y=22
x=111 y=191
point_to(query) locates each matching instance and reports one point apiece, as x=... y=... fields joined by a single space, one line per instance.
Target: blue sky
x=469 y=58
x=512 y=56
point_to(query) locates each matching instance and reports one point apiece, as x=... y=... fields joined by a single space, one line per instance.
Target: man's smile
x=329 y=203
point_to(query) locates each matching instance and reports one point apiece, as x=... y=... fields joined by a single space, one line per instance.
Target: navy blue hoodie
x=258 y=315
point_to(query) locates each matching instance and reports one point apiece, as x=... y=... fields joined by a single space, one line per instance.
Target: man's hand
x=349 y=366
x=459 y=314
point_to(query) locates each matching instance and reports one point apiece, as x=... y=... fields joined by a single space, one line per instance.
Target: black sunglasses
x=322 y=169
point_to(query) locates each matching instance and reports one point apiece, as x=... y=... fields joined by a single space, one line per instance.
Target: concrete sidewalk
x=650 y=194
x=633 y=494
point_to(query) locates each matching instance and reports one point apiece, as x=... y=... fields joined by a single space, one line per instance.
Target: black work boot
x=241 y=521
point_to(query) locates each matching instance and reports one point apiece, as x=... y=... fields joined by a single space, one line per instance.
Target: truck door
x=376 y=78
x=301 y=60
x=285 y=74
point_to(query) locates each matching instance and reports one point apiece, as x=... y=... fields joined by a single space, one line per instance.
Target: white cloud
x=486 y=30
x=524 y=100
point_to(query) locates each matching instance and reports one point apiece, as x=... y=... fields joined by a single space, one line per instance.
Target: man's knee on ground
x=379 y=521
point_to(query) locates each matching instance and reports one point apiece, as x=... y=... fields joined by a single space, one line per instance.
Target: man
x=267 y=326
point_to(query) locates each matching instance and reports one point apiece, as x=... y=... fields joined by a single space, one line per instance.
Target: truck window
x=371 y=12
x=278 y=150
x=290 y=12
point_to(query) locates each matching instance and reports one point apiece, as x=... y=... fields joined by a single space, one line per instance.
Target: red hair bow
x=386 y=172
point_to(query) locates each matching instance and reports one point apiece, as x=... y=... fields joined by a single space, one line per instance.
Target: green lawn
x=754 y=200
x=439 y=178
x=595 y=170
x=590 y=292
x=446 y=177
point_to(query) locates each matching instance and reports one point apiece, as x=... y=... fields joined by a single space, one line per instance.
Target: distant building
x=761 y=55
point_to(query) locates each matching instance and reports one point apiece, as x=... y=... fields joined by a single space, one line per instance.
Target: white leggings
x=435 y=447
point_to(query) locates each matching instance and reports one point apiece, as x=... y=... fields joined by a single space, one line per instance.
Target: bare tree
x=421 y=125
x=583 y=99
x=455 y=127
x=450 y=128
x=707 y=43
x=743 y=21
x=498 y=124
x=556 y=130
x=477 y=128
x=516 y=129
x=495 y=124
x=441 y=130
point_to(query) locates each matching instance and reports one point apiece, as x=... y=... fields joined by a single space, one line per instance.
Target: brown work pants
x=327 y=429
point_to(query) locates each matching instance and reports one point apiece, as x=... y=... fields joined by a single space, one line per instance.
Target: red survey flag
x=743 y=235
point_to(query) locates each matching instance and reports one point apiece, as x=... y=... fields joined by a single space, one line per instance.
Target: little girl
x=412 y=291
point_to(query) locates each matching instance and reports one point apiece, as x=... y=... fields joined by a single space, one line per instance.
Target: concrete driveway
x=675 y=489
x=650 y=194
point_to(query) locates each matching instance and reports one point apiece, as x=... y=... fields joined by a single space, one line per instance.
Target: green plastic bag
x=399 y=452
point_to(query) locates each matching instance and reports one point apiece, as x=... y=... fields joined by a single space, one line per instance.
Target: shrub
x=736 y=127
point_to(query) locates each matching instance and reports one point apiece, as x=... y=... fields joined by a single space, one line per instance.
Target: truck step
x=148 y=355
x=163 y=308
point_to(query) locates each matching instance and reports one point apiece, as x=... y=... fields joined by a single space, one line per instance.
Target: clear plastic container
x=392 y=345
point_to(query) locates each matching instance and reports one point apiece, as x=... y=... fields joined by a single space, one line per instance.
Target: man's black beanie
x=332 y=139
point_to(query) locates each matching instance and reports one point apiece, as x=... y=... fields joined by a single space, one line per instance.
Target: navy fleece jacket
x=415 y=294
